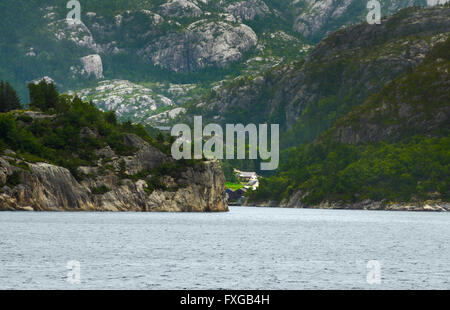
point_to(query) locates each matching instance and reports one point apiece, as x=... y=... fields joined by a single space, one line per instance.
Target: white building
x=247 y=176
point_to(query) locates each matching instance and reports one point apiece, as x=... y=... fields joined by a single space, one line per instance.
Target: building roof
x=247 y=174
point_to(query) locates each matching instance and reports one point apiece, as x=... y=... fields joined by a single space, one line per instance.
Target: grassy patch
x=233 y=186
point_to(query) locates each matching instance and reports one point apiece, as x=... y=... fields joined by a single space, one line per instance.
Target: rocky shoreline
x=294 y=202
x=26 y=186
x=391 y=207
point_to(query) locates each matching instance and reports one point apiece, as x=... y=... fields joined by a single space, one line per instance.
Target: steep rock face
x=92 y=65
x=5 y=170
x=122 y=31
x=45 y=187
x=317 y=15
x=165 y=39
x=180 y=8
x=248 y=10
x=318 y=18
x=202 y=44
x=205 y=192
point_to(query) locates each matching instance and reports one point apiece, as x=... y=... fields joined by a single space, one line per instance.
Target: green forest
x=409 y=163
x=418 y=168
x=9 y=100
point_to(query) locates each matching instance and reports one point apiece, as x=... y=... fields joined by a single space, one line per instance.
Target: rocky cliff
x=45 y=187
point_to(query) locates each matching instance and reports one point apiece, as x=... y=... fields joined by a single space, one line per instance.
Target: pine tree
x=51 y=96
x=9 y=100
x=2 y=98
x=12 y=99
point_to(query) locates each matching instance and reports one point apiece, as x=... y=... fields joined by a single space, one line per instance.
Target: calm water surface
x=247 y=248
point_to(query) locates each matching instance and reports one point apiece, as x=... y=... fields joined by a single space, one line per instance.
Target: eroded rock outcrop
x=200 y=45
x=92 y=65
x=113 y=187
x=180 y=8
x=317 y=18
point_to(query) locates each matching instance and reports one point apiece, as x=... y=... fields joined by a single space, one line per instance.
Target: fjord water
x=247 y=248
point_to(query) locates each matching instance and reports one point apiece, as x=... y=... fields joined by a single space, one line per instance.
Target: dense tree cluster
x=414 y=169
x=56 y=136
x=43 y=96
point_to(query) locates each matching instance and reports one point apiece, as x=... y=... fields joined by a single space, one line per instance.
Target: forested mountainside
x=341 y=72
x=178 y=49
x=65 y=155
x=390 y=153
x=357 y=119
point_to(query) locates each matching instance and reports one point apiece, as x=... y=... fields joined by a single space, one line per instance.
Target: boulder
x=92 y=65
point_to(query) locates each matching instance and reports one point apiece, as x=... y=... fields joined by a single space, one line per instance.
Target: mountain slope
x=417 y=102
x=340 y=73
x=317 y=19
x=172 y=41
x=390 y=153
